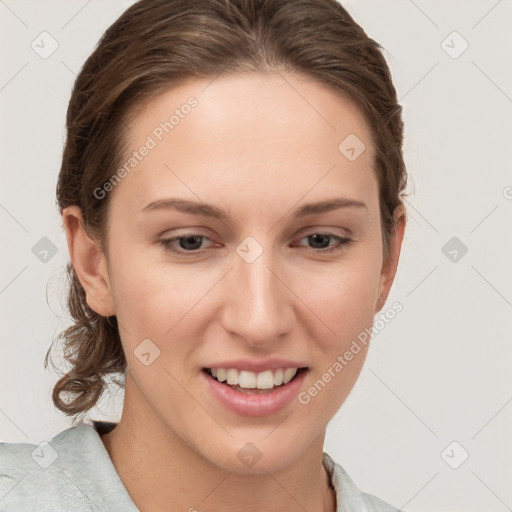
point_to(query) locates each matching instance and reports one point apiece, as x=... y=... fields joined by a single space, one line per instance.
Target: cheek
x=343 y=297
x=142 y=296
x=334 y=300
x=163 y=303
x=344 y=305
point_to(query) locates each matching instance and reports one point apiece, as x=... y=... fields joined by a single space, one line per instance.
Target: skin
x=257 y=146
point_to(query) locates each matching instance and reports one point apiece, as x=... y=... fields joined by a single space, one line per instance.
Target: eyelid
x=202 y=230
x=327 y=230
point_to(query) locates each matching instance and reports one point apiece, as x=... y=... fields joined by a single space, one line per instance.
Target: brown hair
x=156 y=44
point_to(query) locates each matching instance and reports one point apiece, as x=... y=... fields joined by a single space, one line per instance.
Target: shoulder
x=70 y=472
x=349 y=497
x=33 y=476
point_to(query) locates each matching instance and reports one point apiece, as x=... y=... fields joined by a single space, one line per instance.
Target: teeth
x=247 y=379
x=289 y=373
x=251 y=380
x=265 y=380
x=232 y=377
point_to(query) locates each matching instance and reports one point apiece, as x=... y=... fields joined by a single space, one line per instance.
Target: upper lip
x=258 y=366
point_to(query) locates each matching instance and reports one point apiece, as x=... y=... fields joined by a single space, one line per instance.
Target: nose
x=258 y=307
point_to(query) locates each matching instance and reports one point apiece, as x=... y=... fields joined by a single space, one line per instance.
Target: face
x=245 y=241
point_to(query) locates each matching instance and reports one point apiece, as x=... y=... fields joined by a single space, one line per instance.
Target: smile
x=249 y=393
x=247 y=380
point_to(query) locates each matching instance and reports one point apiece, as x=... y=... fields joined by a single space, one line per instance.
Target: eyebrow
x=208 y=210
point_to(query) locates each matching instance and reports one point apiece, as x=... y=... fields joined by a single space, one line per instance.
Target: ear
x=389 y=266
x=89 y=262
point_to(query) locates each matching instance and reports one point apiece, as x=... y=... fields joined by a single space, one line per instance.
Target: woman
x=231 y=193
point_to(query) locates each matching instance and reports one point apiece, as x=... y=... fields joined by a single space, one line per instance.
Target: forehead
x=254 y=133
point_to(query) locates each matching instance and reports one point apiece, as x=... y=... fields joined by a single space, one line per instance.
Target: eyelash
x=342 y=243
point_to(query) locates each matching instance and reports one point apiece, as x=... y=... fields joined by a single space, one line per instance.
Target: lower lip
x=253 y=404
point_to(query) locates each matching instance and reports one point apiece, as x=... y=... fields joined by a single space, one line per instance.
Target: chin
x=257 y=454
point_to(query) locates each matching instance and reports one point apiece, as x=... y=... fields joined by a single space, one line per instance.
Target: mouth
x=265 y=382
x=249 y=388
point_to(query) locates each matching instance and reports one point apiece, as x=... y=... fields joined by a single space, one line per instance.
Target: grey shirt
x=74 y=472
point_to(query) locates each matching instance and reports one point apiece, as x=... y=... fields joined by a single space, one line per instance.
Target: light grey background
x=440 y=371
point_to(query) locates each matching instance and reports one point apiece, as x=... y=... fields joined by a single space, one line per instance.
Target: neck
x=160 y=471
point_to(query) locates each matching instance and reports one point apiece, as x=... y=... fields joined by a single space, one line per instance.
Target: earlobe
x=89 y=262
x=390 y=265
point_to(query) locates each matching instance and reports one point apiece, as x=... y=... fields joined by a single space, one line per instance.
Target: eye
x=192 y=243
x=189 y=243
x=321 y=242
